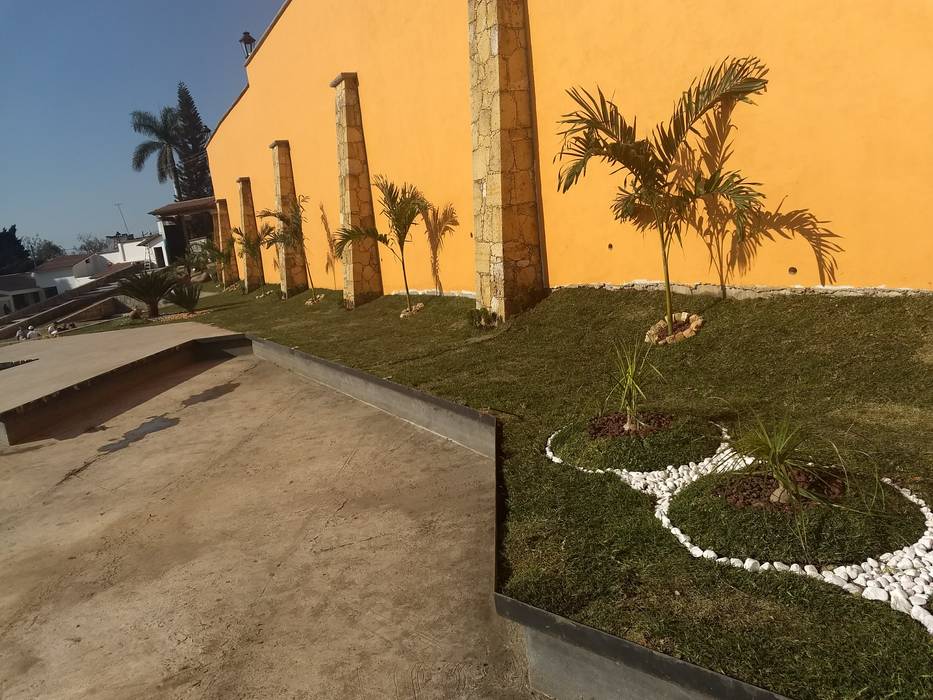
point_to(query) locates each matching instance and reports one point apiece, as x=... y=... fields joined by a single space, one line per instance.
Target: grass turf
x=688 y=439
x=588 y=547
x=865 y=523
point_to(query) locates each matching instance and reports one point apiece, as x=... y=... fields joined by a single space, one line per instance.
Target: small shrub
x=186 y=295
x=483 y=318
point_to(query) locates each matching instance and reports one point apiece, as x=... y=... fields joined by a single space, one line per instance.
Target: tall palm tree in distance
x=162 y=139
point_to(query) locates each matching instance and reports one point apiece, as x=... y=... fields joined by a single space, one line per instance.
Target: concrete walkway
x=247 y=534
x=62 y=362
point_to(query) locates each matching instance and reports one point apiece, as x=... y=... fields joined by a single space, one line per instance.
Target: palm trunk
x=405 y=279
x=669 y=314
x=154 y=309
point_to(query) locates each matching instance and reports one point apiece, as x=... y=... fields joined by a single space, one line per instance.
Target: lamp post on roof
x=248 y=43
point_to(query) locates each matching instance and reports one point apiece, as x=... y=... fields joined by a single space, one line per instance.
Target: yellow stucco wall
x=414 y=90
x=843 y=129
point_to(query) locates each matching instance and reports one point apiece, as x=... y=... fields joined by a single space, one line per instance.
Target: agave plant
x=148 y=287
x=250 y=248
x=289 y=234
x=651 y=196
x=401 y=206
x=185 y=294
x=437 y=224
x=712 y=217
x=779 y=450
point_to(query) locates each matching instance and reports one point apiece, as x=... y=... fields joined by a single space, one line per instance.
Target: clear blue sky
x=71 y=73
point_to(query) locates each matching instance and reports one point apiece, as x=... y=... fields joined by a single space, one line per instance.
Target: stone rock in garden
x=830 y=577
x=923 y=616
x=738 y=563
x=812 y=571
x=852 y=588
x=751 y=565
x=853 y=571
x=841 y=572
x=780 y=495
x=900 y=602
x=872 y=593
x=696 y=552
x=796 y=568
x=722 y=560
x=919 y=599
x=871 y=563
x=766 y=566
x=781 y=566
x=709 y=554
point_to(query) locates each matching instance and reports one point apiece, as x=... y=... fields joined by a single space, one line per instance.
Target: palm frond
x=735 y=79
x=331 y=262
x=401 y=206
x=142 y=152
x=597 y=129
x=349 y=234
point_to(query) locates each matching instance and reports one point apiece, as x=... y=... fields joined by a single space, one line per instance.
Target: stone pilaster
x=362 y=274
x=223 y=239
x=509 y=271
x=253 y=276
x=293 y=275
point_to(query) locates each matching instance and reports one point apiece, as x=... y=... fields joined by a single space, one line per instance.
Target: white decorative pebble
x=875 y=594
x=900 y=602
x=908 y=589
x=923 y=616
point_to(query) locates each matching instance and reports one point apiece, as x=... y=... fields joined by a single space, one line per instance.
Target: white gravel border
x=903 y=579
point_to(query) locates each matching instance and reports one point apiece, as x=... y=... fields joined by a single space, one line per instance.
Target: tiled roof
x=189 y=206
x=61 y=262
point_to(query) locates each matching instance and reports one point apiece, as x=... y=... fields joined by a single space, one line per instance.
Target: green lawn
x=587 y=546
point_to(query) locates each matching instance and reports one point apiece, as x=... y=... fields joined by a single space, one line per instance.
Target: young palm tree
x=289 y=233
x=651 y=196
x=400 y=205
x=712 y=217
x=149 y=288
x=251 y=249
x=162 y=141
x=437 y=224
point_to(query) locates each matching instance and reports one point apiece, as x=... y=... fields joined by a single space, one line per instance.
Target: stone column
x=293 y=276
x=509 y=272
x=362 y=274
x=223 y=239
x=253 y=276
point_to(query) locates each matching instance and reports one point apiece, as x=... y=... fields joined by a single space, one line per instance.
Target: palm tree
x=651 y=196
x=149 y=288
x=289 y=234
x=437 y=224
x=400 y=205
x=251 y=249
x=162 y=141
x=712 y=218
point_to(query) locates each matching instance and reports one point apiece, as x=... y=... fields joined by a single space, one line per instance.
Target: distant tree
x=162 y=139
x=89 y=244
x=193 y=171
x=41 y=249
x=13 y=255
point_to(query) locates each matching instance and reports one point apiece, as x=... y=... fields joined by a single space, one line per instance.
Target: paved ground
x=62 y=362
x=246 y=534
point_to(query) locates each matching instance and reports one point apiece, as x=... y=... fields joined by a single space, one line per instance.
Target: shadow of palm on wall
x=713 y=217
